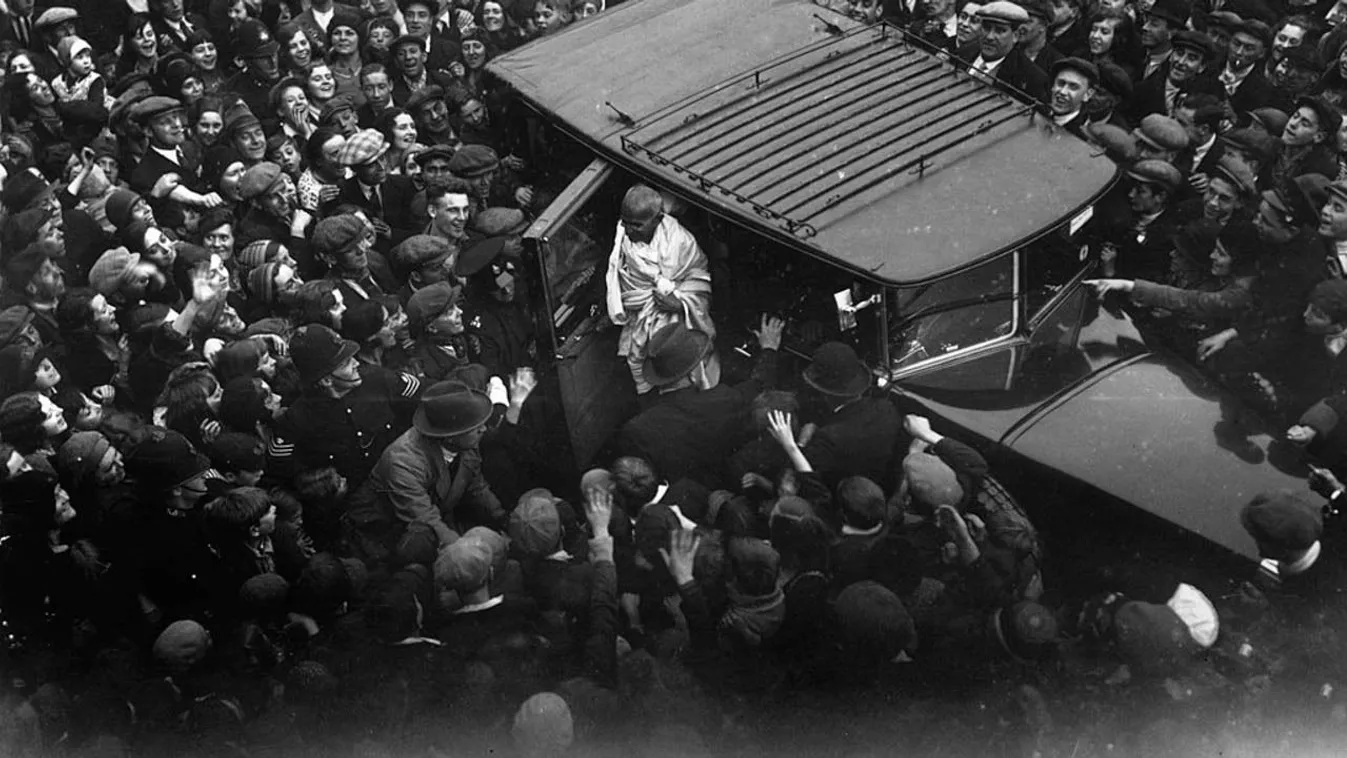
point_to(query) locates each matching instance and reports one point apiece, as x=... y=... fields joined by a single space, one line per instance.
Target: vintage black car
x=929 y=218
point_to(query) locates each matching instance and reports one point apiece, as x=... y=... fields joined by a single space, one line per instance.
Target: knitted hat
x=872 y=620
x=182 y=644
x=109 y=270
x=930 y=481
x=262 y=281
x=80 y=455
x=1152 y=637
x=264 y=595
x=535 y=526
x=257 y=253
x=1283 y=523
x=543 y=725
x=464 y=566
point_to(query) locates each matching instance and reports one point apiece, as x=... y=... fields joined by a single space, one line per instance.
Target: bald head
x=642 y=209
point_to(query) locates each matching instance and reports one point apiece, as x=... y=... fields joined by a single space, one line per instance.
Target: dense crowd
x=281 y=459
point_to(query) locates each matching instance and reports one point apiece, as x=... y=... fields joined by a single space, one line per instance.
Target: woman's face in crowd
x=192 y=90
x=208 y=128
x=1101 y=36
x=474 y=54
x=287 y=157
x=286 y=281
x=220 y=241
x=547 y=18
x=345 y=41
x=103 y=315
x=301 y=52
x=332 y=149
x=493 y=16
x=252 y=142
x=272 y=401
x=159 y=248
x=144 y=41
x=65 y=512
x=205 y=56
x=229 y=181
x=322 y=84
x=293 y=99
x=53 y=418
x=141 y=211
x=404 y=131
x=39 y=91
x=46 y=376
x=20 y=63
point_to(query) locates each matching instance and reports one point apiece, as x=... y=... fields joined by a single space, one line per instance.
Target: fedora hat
x=673 y=352
x=449 y=409
x=835 y=370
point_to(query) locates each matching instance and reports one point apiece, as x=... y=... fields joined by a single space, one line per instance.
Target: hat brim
x=856 y=385
x=654 y=378
x=266 y=48
x=424 y=426
x=348 y=349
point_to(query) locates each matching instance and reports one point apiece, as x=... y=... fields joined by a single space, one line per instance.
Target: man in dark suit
x=17 y=24
x=858 y=432
x=172 y=25
x=1073 y=85
x=1245 y=84
x=170 y=153
x=1144 y=234
x=997 y=57
x=415 y=71
x=695 y=422
x=1185 y=72
x=387 y=200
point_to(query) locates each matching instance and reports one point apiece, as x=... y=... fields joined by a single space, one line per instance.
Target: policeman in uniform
x=348 y=413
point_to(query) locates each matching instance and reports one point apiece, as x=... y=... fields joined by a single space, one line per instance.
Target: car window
x=952 y=314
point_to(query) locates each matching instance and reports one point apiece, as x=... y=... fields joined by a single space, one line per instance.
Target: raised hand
x=682 y=552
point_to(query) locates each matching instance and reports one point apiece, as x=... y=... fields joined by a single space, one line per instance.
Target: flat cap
x=418 y=250
x=1237 y=174
x=1224 y=19
x=1337 y=189
x=440 y=152
x=427 y=303
x=1161 y=133
x=1079 y=65
x=335 y=234
x=423 y=96
x=1282 y=523
x=258 y=180
x=1113 y=79
x=1306 y=57
x=365 y=146
x=54 y=16
x=1198 y=41
x=152 y=107
x=1256 y=143
x=335 y=106
x=1256 y=29
x=1173 y=11
x=472 y=161
x=1000 y=10
x=406 y=39
x=1273 y=120
x=496 y=222
x=464 y=566
x=1156 y=172
x=1039 y=8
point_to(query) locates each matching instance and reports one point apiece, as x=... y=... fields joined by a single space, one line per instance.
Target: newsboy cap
x=153 y=107
x=1283 y=523
x=1161 y=133
x=335 y=234
x=365 y=146
x=54 y=16
x=258 y=180
x=418 y=250
x=1196 y=41
x=427 y=303
x=1079 y=65
x=1000 y=10
x=473 y=161
x=1156 y=172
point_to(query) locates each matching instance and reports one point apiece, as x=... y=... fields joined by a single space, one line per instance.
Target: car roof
x=850 y=141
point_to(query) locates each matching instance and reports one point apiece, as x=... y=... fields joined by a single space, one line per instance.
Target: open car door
x=571 y=241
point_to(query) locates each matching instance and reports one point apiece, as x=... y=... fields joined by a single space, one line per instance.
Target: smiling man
x=1073 y=84
x=1185 y=72
x=169 y=153
x=997 y=56
x=1242 y=76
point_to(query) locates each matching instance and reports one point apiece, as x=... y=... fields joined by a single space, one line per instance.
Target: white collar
x=482 y=606
x=169 y=153
x=1066 y=118
x=1302 y=565
x=849 y=531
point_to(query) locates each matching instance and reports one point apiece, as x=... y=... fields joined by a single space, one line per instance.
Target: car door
x=572 y=240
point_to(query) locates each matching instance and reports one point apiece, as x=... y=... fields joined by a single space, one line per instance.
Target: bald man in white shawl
x=657 y=275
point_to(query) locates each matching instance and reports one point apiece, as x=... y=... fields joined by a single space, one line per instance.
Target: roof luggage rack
x=829 y=129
